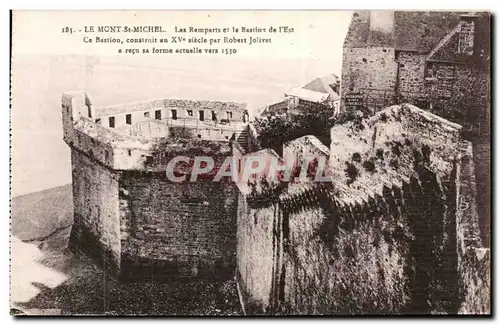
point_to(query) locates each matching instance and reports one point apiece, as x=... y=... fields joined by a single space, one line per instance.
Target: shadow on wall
x=48 y=279
x=403 y=250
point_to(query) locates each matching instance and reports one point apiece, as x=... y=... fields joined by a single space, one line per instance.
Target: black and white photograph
x=250 y=163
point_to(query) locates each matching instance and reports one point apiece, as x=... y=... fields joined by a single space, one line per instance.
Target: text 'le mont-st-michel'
x=195 y=35
x=190 y=29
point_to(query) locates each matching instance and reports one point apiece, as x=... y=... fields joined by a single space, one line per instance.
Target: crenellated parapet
x=135 y=212
x=389 y=231
x=127 y=137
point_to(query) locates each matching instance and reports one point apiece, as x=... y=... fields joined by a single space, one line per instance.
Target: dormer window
x=190 y=112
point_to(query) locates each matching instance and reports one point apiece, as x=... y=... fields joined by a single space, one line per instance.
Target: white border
x=188 y=4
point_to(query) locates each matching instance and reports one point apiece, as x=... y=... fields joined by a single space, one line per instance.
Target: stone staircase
x=242 y=139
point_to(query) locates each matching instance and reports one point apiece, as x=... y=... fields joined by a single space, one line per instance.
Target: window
x=174 y=114
x=229 y=115
x=201 y=115
x=158 y=114
x=214 y=116
x=128 y=119
x=146 y=114
x=111 y=121
x=129 y=152
x=190 y=112
x=187 y=200
x=430 y=70
x=98 y=120
x=106 y=154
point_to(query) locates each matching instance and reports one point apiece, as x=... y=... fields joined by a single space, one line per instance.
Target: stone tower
x=127 y=213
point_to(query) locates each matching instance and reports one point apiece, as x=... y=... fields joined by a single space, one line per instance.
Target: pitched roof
x=325 y=85
x=422 y=30
x=413 y=30
x=309 y=95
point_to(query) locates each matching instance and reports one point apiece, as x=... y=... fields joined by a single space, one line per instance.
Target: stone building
x=320 y=92
x=127 y=213
x=438 y=61
x=366 y=242
x=329 y=84
x=302 y=99
x=396 y=231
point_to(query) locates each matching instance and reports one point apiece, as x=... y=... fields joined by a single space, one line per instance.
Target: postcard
x=241 y=163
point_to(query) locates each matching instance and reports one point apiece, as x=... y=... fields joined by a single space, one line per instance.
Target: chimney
x=381 y=27
x=466 y=36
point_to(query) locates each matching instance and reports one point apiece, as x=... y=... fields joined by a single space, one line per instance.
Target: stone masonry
x=128 y=215
x=389 y=235
x=436 y=60
x=423 y=58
